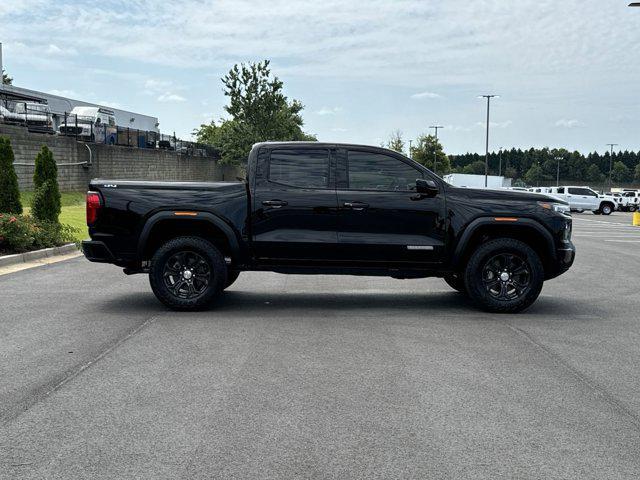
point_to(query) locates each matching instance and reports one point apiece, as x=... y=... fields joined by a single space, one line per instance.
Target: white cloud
x=57 y=51
x=156 y=85
x=329 y=111
x=171 y=97
x=423 y=95
x=504 y=124
x=564 y=123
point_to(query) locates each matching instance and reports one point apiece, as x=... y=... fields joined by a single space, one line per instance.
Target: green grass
x=73 y=211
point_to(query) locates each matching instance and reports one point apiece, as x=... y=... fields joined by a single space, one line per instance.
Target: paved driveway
x=324 y=377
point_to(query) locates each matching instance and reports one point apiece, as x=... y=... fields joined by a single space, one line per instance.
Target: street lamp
x=611 y=161
x=486 y=158
x=558 y=172
x=500 y=164
x=410 y=154
x=435 y=148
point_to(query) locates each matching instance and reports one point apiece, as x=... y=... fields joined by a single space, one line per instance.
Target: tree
x=637 y=172
x=6 y=79
x=620 y=172
x=46 y=201
x=258 y=110
x=475 y=168
x=9 y=190
x=535 y=175
x=426 y=149
x=396 y=142
x=593 y=173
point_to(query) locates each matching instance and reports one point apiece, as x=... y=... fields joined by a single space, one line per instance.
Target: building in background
x=11 y=96
x=477 y=181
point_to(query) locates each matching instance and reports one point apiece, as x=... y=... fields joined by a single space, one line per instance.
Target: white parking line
x=623 y=241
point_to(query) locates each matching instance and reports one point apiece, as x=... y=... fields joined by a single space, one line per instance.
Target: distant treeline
x=534 y=166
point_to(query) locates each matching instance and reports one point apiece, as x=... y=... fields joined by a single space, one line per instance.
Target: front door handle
x=356 y=205
x=274 y=203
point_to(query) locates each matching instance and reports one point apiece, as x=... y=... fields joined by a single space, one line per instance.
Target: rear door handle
x=274 y=203
x=356 y=205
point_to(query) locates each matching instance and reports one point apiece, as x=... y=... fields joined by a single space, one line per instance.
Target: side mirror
x=428 y=188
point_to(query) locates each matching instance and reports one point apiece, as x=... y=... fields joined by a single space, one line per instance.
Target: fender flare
x=520 y=223
x=201 y=216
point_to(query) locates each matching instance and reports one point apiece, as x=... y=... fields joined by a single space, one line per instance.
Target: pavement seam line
x=5 y=419
x=615 y=402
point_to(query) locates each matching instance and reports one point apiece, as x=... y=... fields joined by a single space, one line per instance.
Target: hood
x=506 y=195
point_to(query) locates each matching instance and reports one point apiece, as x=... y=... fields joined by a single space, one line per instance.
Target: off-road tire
x=477 y=284
x=456 y=281
x=232 y=276
x=210 y=260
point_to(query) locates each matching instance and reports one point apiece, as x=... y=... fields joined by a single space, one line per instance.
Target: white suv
x=581 y=198
x=632 y=200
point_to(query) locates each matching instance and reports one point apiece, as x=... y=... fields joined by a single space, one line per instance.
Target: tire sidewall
x=200 y=246
x=473 y=275
x=604 y=212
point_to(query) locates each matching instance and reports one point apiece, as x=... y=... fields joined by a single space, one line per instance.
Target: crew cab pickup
x=325 y=208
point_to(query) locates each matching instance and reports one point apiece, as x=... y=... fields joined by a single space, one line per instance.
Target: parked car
x=632 y=200
x=93 y=124
x=580 y=199
x=324 y=208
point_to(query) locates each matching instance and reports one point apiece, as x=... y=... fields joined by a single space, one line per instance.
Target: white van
x=94 y=124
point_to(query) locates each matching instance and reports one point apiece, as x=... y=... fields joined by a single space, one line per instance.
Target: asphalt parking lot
x=324 y=377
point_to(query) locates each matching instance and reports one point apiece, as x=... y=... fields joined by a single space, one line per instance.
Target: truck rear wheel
x=186 y=273
x=504 y=276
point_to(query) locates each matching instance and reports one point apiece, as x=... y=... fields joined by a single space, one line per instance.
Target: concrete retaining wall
x=113 y=162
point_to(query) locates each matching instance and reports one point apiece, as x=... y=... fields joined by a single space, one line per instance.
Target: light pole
x=410 y=154
x=435 y=148
x=611 y=162
x=558 y=172
x=486 y=158
x=500 y=164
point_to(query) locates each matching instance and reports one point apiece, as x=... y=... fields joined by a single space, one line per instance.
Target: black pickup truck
x=326 y=208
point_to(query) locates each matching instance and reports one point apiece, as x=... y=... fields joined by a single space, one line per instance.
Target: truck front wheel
x=187 y=273
x=504 y=276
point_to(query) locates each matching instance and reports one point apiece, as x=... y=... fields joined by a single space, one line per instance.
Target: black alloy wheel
x=506 y=276
x=186 y=275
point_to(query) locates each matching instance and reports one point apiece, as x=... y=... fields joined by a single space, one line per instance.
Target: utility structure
x=558 y=158
x=611 y=145
x=500 y=163
x=410 y=154
x=486 y=157
x=435 y=148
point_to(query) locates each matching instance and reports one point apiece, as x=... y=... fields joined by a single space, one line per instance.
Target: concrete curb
x=8 y=260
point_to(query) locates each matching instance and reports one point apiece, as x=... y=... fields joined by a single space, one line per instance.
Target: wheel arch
x=163 y=226
x=524 y=229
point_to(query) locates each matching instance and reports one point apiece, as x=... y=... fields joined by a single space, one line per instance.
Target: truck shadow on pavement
x=238 y=302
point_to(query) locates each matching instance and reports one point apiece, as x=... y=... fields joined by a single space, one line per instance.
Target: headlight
x=556 y=207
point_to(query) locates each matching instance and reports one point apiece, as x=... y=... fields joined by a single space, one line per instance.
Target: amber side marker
x=505 y=219
x=186 y=214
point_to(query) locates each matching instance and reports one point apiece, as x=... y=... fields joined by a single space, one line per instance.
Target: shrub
x=45 y=205
x=46 y=201
x=9 y=191
x=21 y=233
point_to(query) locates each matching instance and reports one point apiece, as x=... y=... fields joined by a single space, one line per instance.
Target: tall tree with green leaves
x=426 y=150
x=258 y=111
x=620 y=172
x=46 y=204
x=9 y=190
x=535 y=175
x=395 y=142
x=636 y=175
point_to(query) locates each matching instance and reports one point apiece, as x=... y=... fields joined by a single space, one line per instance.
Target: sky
x=567 y=72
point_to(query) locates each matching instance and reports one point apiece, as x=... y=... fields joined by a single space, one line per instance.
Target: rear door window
x=301 y=168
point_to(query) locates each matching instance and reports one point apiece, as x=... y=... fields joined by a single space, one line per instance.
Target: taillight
x=93 y=207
